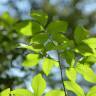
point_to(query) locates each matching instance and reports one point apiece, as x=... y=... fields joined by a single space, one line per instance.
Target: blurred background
x=75 y=12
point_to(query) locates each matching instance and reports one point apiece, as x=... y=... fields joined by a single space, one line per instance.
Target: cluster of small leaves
x=79 y=53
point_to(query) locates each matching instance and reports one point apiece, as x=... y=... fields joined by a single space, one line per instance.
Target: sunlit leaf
x=91 y=42
x=31 y=60
x=38 y=85
x=71 y=74
x=28 y=27
x=21 y=92
x=27 y=30
x=34 y=47
x=84 y=49
x=74 y=87
x=55 y=93
x=86 y=72
x=48 y=65
x=5 y=92
x=92 y=91
x=89 y=59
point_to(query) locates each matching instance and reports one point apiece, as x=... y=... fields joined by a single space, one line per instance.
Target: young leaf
x=48 y=65
x=27 y=30
x=92 y=91
x=40 y=17
x=74 y=87
x=31 y=60
x=71 y=74
x=6 y=92
x=21 y=92
x=89 y=59
x=38 y=85
x=34 y=47
x=55 y=93
x=80 y=34
x=86 y=72
x=57 y=26
x=91 y=42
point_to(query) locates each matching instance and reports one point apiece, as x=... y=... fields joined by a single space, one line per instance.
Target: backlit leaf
x=38 y=85
x=86 y=72
x=48 y=65
x=92 y=91
x=55 y=93
x=71 y=74
x=74 y=87
x=21 y=92
x=6 y=92
x=31 y=60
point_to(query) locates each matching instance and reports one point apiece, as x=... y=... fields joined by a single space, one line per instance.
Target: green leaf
x=21 y=92
x=6 y=18
x=84 y=49
x=92 y=91
x=6 y=92
x=27 y=30
x=69 y=57
x=34 y=47
x=48 y=65
x=71 y=74
x=50 y=46
x=80 y=34
x=55 y=93
x=38 y=85
x=40 y=17
x=74 y=87
x=28 y=27
x=40 y=38
x=31 y=60
x=86 y=72
x=89 y=59
x=57 y=26
x=60 y=38
x=91 y=42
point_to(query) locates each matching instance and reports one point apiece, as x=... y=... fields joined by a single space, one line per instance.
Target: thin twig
x=62 y=80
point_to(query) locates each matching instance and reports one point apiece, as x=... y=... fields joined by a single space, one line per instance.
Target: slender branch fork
x=61 y=72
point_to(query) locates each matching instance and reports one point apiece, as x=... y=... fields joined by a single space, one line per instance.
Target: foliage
x=41 y=40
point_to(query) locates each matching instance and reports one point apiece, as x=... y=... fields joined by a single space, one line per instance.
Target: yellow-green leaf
x=71 y=74
x=31 y=60
x=74 y=87
x=6 y=92
x=38 y=85
x=92 y=91
x=48 y=65
x=86 y=72
x=55 y=93
x=21 y=92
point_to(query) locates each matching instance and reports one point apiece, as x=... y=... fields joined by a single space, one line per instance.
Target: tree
x=40 y=37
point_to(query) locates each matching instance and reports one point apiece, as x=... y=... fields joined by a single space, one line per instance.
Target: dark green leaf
x=80 y=34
